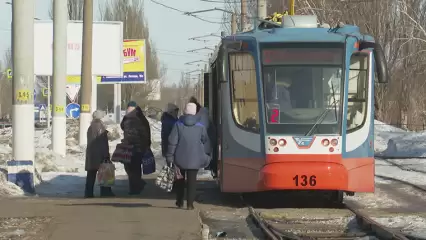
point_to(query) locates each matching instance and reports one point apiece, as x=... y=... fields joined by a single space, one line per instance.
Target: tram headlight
x=273 y=142
x=334 y=142
x=282 y=142
x=325 y=142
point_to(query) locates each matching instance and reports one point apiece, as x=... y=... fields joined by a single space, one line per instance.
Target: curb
x=205 y=230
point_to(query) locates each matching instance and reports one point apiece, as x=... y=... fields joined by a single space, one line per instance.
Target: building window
x=245 y=104
x=357 y=91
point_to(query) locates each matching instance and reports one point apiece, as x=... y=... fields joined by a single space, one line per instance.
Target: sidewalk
x=152 y=215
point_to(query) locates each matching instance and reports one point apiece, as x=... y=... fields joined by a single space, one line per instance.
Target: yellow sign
x=77 y=79
x=85 y=108
x=134 y=56
x=9 y=73
x=59 y=109
x=134 y=65
x=23 y=95
x=45 y=92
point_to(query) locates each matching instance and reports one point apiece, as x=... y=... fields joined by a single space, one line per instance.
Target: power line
x=181 y=11
x=216 y=1
x=180 y=55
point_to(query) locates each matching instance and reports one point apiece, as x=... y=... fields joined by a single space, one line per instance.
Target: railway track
x=361 y=226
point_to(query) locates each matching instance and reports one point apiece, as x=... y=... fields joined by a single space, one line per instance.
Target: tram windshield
x=302 y=90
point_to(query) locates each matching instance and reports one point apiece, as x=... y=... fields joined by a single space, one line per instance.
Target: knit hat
x=190 y=109
x=132 y=104
x=98 y=114
x=171 y=108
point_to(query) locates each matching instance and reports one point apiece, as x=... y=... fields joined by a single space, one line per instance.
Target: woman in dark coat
x=168 y=120
x=187 y=151
x=137 y=133
x=97 y=152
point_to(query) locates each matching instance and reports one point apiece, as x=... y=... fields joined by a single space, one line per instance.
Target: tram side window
x=245 y=106
x=357 y=92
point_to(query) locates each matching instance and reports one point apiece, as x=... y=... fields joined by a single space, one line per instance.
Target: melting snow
x=53 y=171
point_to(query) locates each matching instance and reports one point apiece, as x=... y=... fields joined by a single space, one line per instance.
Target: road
x=152 y=215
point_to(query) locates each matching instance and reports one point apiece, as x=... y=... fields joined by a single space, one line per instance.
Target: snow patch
x=49 y=165
x=395 y=142
x=404 y=223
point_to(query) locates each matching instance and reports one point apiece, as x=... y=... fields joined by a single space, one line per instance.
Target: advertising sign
x=107 y=53
x=134 y=64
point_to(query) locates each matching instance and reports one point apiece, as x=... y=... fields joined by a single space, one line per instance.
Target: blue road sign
x=73 y=110
x=42 y=107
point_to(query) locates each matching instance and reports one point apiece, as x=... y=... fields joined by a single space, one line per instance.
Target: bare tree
x=131 y=13
x=75 y=9
x=6 y=85
x=235 y=7
x=399 y=26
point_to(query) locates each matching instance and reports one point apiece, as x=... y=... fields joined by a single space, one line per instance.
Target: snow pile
x=8 y=188
x=394 y=142
x=48 y=163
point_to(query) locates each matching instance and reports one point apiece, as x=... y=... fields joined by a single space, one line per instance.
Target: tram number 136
x=304 y=180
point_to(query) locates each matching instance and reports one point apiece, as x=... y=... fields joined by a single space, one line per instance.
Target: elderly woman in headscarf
x=97 y=152
x=137 y=133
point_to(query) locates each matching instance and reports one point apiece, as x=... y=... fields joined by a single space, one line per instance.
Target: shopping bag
x=178 y=174
x=148 y=162
x=106 y=174
x=165 y=178
x=123 y=153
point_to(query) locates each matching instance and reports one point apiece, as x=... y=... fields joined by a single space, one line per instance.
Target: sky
x=169 y=30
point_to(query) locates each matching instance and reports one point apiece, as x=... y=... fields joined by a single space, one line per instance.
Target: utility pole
x=86 y=71
x=233 y=23
x=243 y=15
x=23 y=90
x=291 y=10
x=261 y=9
x=60 y=26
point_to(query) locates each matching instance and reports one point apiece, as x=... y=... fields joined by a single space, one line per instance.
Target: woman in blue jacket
x=187 y=151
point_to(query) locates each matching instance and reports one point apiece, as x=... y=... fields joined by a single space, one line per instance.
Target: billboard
x=107 y=55
x=134 y=64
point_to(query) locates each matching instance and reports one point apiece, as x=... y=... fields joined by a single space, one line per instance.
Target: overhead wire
x=185 y=12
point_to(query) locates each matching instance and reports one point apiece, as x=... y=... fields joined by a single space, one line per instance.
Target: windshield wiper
x=324 y=113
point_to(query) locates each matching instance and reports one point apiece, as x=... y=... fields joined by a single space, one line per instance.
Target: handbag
x=165 y=178
x=123 y=153
x=106 y=174
x=148 y=162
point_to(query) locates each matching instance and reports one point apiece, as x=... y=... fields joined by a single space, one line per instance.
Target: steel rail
x=364 y=221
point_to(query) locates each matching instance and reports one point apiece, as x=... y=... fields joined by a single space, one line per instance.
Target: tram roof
x=300 y=35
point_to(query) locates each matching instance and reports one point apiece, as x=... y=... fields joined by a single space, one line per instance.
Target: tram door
x=212 y=101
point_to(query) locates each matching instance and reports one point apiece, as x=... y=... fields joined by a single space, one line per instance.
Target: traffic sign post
x=73 y=110
x=42 y=107
x=45 y=92
x=9 y=73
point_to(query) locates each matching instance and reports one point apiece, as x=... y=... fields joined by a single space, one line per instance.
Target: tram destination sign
x=305 y=56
